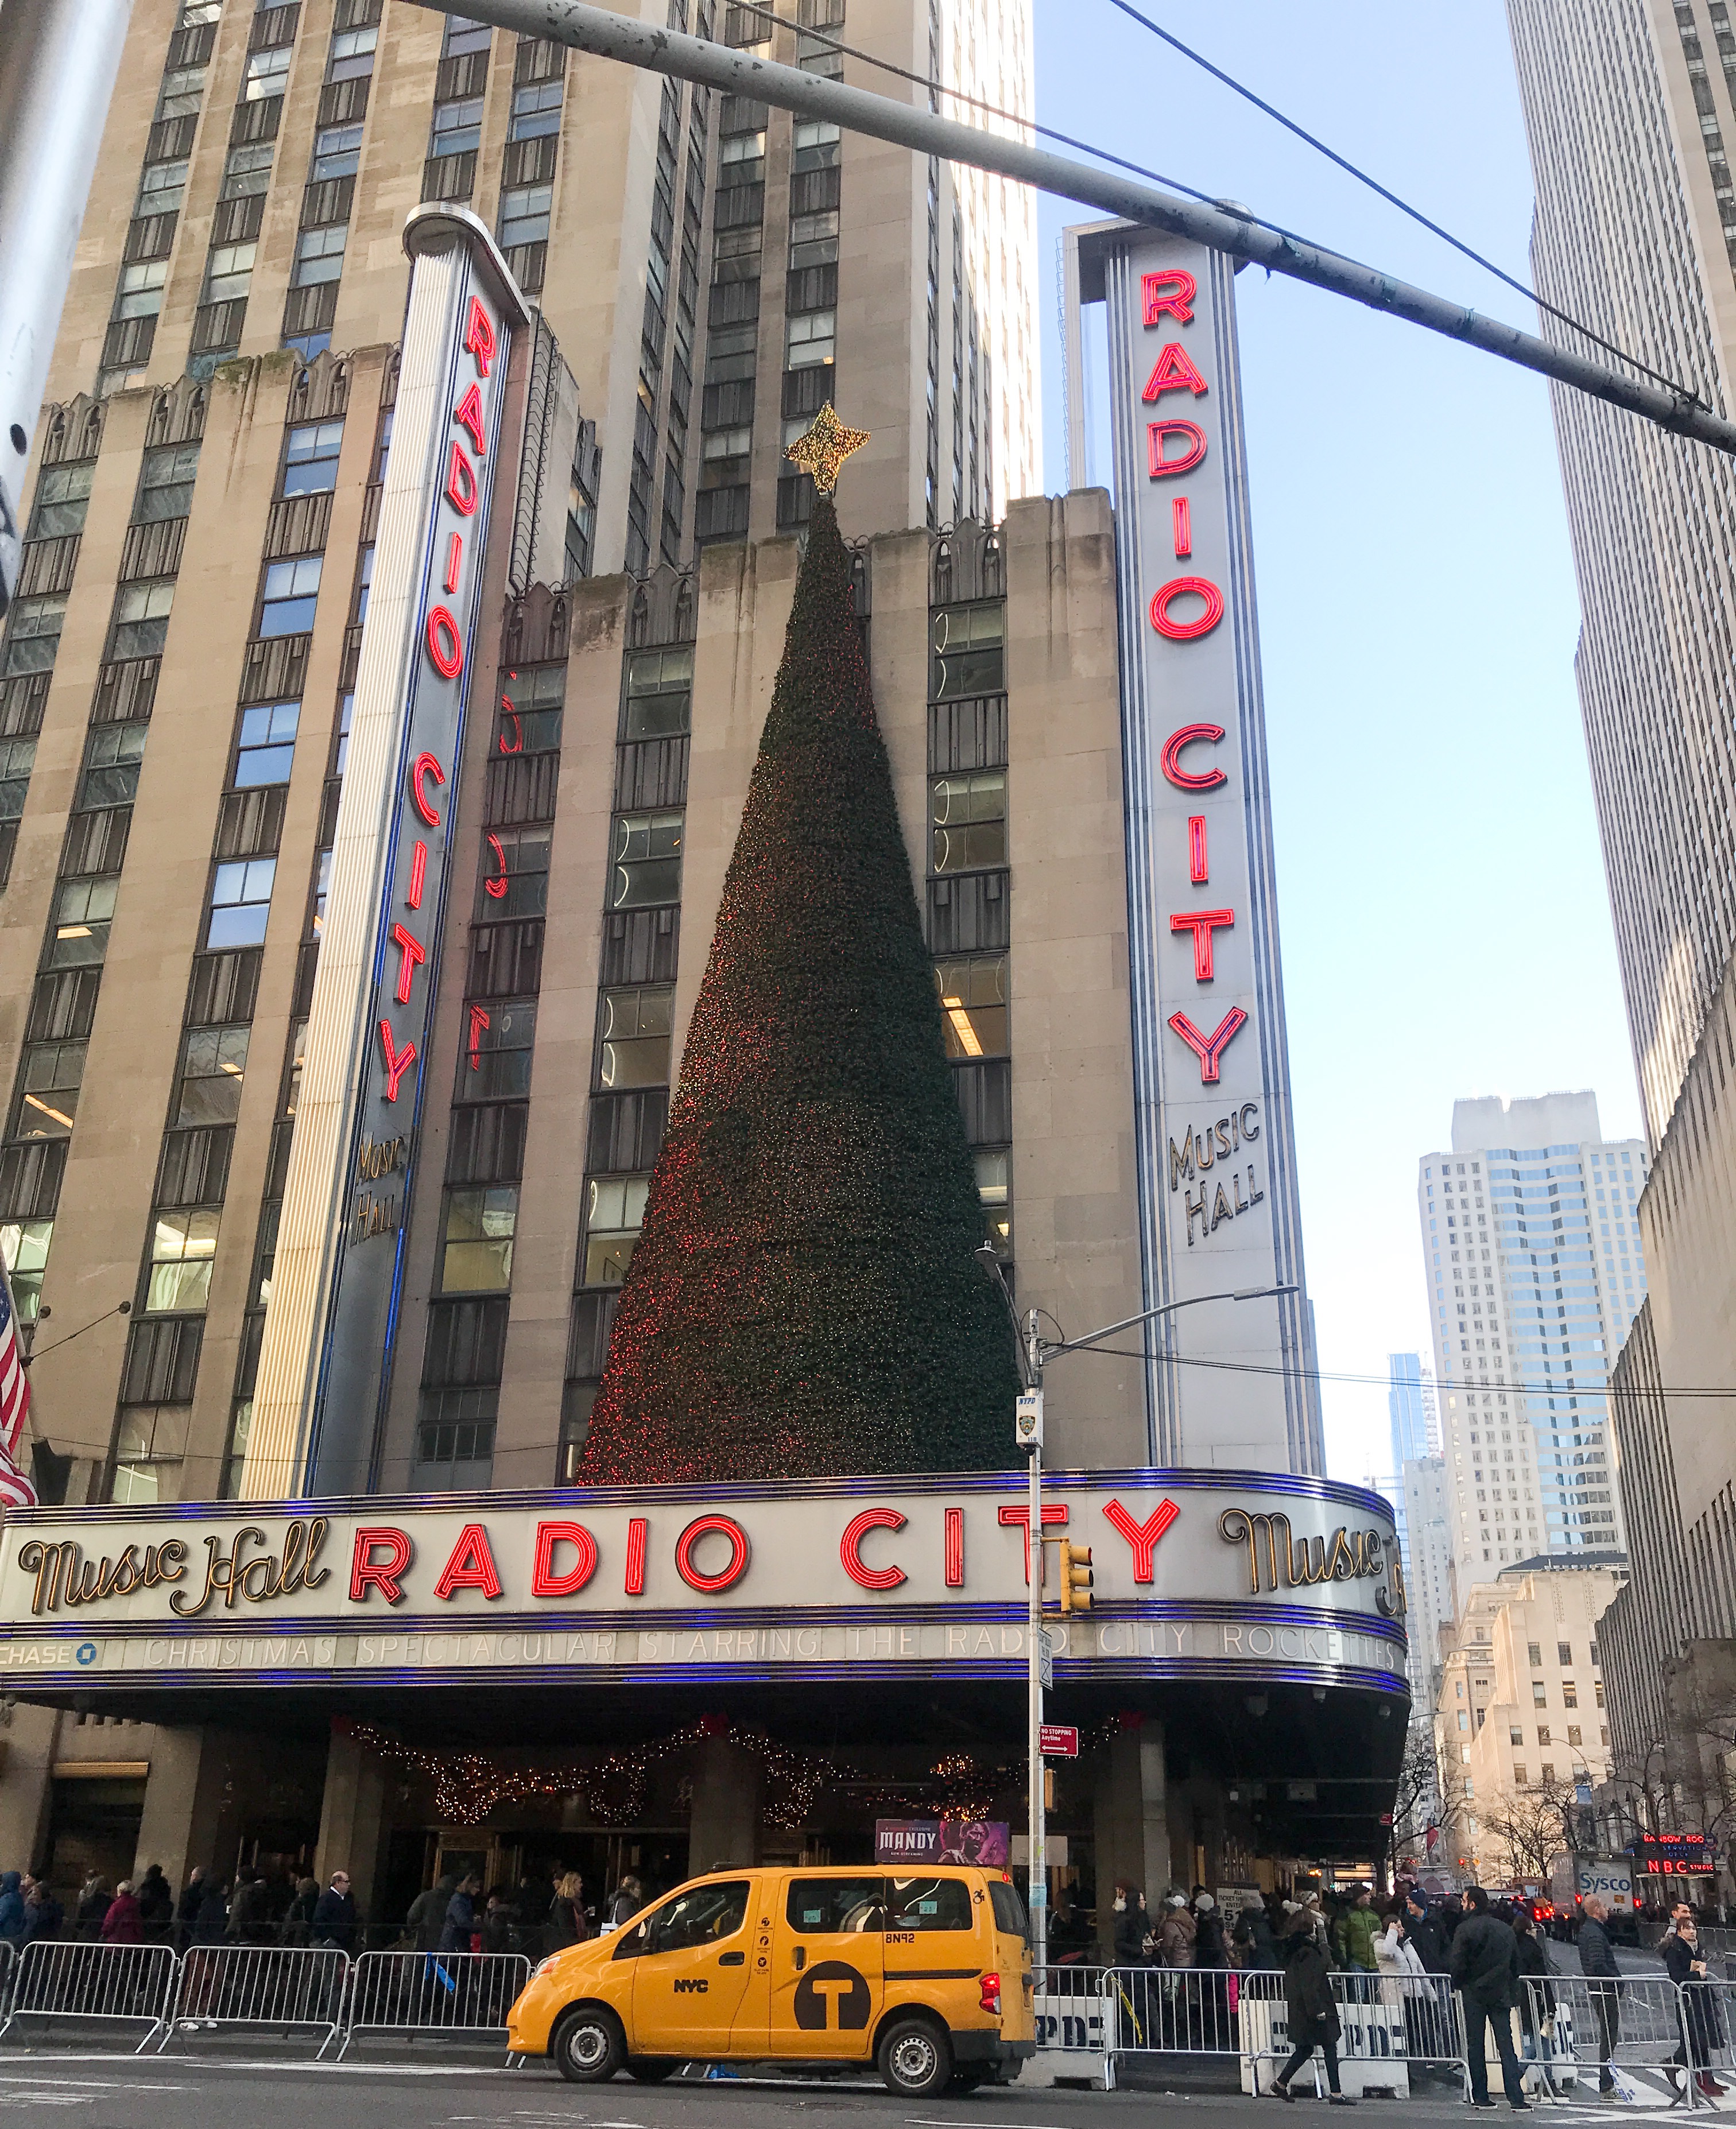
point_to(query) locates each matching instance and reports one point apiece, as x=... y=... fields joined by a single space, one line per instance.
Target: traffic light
x=1076 y=1576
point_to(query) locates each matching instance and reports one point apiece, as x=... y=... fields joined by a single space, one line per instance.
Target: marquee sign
x=1219 y=1203
x=326 y=1365
x=924 y=1575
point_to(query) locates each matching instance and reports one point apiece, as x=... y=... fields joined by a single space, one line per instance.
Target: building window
x=1534 y=1648
x=515 y=859
x=48 y=1089
x=969 y=814
x=24 y=1244
x=182 y=1247
x=658 y=693
x=478 y=1252
x=524 y=214
x=536 y=110
x=647 y=861
x=319 y=255
x=83 y=911
x=973 y=995
x=112 y=760
x=141 y=289
x=614 y=1211
x=454 y=1440
x=213 y=1062
x=228 y=273
x=497 y=1063
x=247 y=171
x=63 y=498
x=34 y=634
x=810 y=338
x=141 y=618
x=351 y=55
x=165 y=484
x=1543 y=1736
x=457 y=129
x=1519 y=1773
x=241 y=901
x=1515 y=1736
x=1569 y=1693
x=310 y=458
x=1597 y=1692
x=1539 y=1693
x=528 y=721
x=267 y=71
x=266 y=747
x=968 y=645
x=1573 y=1734
x=633 y=1038
x=148 y=1443
x=292 y=592
x=336 y=152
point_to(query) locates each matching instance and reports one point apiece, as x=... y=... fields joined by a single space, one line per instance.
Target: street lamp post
x=1035 y=1354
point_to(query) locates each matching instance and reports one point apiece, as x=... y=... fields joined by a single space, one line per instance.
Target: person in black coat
x=1485 y=1966
x=187 y=1907
x=1313 y=2014
x=1423 y=1930
x=1255 y=1946
x=211 y=1921
x=1685 y=1962
x=333 y=1927
x=156 y=1903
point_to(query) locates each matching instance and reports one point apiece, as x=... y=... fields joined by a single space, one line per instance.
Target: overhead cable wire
x=1392 y=198
x=1208 y=199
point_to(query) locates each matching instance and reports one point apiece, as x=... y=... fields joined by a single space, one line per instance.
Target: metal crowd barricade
x=445 y=1993
x=1709 y=2033
x=1627 y=2030
x=285 y=1989
x=106 y=1983
x=8 y=1960
x=1073 y=2024
x=1187 y=2011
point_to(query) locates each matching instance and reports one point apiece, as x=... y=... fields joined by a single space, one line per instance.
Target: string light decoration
x=468 y=1786
x=822 y=452
x=805 y=1297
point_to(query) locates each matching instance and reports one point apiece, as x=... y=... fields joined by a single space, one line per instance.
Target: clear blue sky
x=1446 y=925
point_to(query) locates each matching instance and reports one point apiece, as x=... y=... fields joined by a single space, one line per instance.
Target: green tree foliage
x=804 y=1299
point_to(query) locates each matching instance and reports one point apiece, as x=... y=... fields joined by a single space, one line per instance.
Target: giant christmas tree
x=805 y=1297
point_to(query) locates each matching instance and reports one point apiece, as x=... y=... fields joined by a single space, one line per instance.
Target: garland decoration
x=805 y=1296
x=469 y=1785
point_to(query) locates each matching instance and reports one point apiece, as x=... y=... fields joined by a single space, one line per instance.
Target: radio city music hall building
x=358 y=899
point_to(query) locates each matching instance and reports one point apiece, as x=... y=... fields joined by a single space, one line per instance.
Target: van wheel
x=588 y=2046
x=651 y=2070
x=915 y=2058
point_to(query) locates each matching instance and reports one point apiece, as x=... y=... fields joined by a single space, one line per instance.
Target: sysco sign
x=325 y=1368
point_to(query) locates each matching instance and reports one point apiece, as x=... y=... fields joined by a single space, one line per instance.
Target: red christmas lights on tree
x=804 y=1299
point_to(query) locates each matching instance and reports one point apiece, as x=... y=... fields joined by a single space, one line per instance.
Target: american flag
x=15 y=1489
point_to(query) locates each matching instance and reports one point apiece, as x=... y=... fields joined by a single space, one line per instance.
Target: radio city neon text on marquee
x=712 y=1554
x=1182 y=609
x=456 y=559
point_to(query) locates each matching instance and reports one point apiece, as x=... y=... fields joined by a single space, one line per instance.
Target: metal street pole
x=58 y=63
x=1028 y=1433
x=644 y=44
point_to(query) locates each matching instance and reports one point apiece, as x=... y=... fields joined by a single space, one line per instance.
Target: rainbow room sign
x=1197 y=1575
x=1216 y=1161
x=325 y=1364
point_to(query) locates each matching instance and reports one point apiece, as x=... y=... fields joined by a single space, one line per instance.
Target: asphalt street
x=180 y=2091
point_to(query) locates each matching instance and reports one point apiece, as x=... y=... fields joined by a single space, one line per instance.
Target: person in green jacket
x=1353 y=1940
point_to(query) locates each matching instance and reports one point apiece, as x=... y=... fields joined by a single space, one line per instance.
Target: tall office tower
x=1531 y=1252
x=1628 y=107
x=1410 y=1409
x=713 y=270
x=1429 y=1571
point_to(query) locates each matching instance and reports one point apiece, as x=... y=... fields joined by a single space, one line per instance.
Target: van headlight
x=543 y=1965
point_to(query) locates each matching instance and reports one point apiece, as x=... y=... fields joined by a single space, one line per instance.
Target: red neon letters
x=497 y=886
x=633 y=1582
x=955 y=1548
x=446 y=645
x=478 y=337
x=726 y=1526
x=1162 y=620
x=1173 y=371
x=850 y=1548
x=471 y=1565
x=421 y=769
x=1202 y=923
x=411 y=954
x=382 y=1572
x=1157 y=435
x=1053 y=1513
x=454 y=559
x=1181 y=523
x=1197 y=869
x=545 y=1582
x=468 y=415
x=398 y=1061
x=1210 y=1049
x=460 y=481
x=1142 y=1537
x=418 y=876
x=1207 y=779
x=1183 y=289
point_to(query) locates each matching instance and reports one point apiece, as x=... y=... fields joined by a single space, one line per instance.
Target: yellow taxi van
x=925 y=1976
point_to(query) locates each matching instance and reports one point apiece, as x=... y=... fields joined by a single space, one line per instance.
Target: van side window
x=704 y=1915
x=929 y=1903
x=834 y=1907
x=1009 y=1910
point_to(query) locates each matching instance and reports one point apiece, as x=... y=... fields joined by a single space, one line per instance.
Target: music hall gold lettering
x=64 y=1577
x=1285 y=1561
x=257 y=1581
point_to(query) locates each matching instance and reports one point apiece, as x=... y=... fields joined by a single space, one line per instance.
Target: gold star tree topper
x=824 y=449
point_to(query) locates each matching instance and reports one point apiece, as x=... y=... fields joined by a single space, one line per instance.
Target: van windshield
x=705 y=1915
